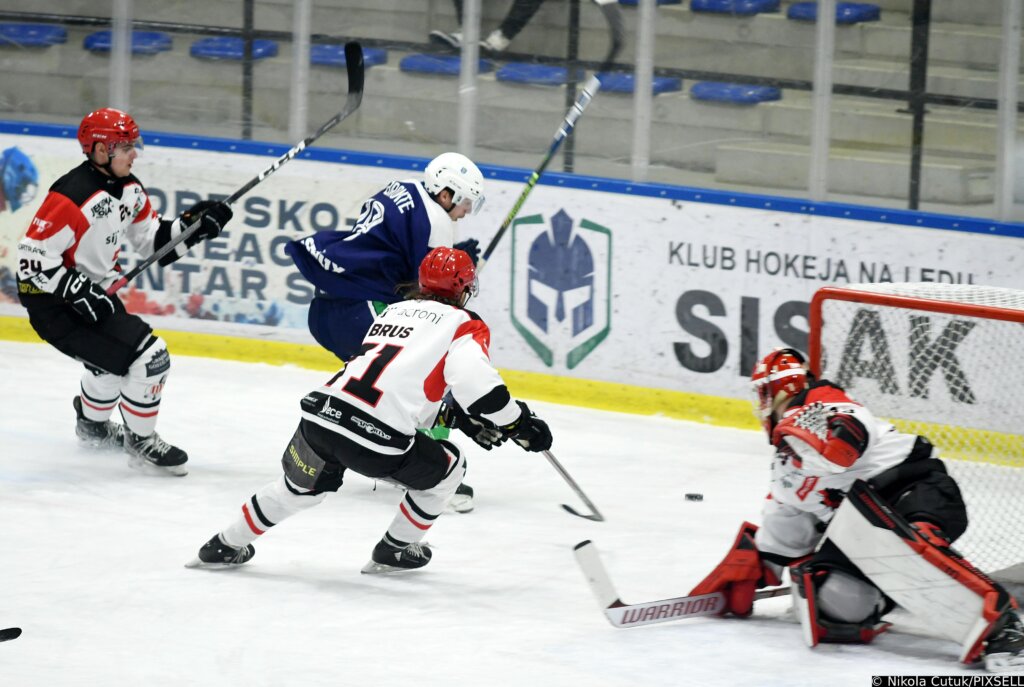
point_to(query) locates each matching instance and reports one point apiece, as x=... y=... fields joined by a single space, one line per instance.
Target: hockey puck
x=695 y=497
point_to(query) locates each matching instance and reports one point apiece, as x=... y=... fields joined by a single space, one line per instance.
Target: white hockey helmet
x=457 y=173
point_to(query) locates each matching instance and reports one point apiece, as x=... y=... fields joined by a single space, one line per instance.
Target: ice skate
x=1004 y=649
x=391 y=558
x=216 y=554
x=154 y=452
x=95 y=434
x=451 y=40
x=495 y=43
x=462 y=500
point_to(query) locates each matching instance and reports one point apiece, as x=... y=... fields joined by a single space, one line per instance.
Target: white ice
x=92 y=556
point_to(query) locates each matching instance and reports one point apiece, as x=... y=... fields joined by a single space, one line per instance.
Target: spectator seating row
x=152 y=42
x=613 y=82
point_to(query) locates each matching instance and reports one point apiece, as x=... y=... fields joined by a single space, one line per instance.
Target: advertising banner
x=637 y=290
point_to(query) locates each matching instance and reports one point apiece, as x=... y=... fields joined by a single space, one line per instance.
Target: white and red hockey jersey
x=81 y=224
x=413 y=353
x=824 y=442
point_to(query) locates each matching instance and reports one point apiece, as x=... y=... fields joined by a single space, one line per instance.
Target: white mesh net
x=939 y=366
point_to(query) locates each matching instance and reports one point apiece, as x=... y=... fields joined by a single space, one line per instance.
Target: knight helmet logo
x=561 y=286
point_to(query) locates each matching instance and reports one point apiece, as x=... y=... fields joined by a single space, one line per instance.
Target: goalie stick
x=623 y=615
x=354 y=65
x=613 y=15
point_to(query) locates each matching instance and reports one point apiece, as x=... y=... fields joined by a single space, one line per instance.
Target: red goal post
x=945 y=361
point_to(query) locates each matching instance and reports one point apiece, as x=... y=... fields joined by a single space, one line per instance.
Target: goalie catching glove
x=529 y=431
x=740 y=574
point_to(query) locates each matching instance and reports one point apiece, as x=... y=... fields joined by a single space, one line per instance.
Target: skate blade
x=373 y=568
x=197 y=563
x=144 y=466
x=1004 y=662
x=461 y=504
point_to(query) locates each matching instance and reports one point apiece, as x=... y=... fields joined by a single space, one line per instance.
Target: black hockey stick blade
x=354 y=66
x=9 y=634
x=595 y=514
x=596 y=517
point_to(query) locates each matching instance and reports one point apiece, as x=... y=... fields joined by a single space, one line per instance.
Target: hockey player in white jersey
x=366 y=419
x=863 y=516
x=67 y=258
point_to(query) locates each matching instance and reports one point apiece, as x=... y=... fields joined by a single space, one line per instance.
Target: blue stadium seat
x=529 y=73
x=623 y=82
x=446 y=65
x=231 y=48
x=735 y=93
x=31 y=35
x=143 y=42
x=741 y=8
x=334 y=56
x=846 y=12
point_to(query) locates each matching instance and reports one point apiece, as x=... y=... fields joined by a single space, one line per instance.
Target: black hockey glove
x=472 y=247
x=529 y=431
x=213 y=214
x=485 y=433
x=84 y=295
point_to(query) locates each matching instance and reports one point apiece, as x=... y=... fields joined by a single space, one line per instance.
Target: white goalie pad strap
x=890 y=553
x=804 y=608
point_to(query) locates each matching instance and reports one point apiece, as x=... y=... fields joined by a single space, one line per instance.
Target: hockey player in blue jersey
x=356 y=272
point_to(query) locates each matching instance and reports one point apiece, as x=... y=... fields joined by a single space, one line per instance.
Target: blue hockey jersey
x=396 y=228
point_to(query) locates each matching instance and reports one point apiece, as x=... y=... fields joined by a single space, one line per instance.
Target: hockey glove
x=529 y=431
x=839 y=438
x=485 y=433
x=213 y=216
x=472 y=247
x=84 y=295
x=739 y=575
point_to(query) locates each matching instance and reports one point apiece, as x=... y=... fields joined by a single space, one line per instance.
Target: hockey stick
x=9 y=634
x=613 y=15
x=354 y=64
x=595 y=514
x=623 y=615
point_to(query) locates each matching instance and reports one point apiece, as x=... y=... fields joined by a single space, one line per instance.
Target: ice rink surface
x=92 y=556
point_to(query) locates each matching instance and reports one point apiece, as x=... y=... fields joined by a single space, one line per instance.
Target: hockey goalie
x=863 y=516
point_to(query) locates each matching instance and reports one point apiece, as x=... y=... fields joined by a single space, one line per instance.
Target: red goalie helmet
x=778 y=377
x=108 y=126
x=448 y=273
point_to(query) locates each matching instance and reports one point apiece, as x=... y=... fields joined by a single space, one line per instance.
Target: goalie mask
x=777 y=378
x=448 y=274
x=458 y=174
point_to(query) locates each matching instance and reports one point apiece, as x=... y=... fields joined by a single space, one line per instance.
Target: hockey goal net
x=945 y=361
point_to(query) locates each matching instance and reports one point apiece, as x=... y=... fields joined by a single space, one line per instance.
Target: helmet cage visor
x=125 y=146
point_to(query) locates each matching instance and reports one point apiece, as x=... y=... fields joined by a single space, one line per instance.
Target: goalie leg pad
x=932 y=582
x=835 y=604
x=920 y=488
